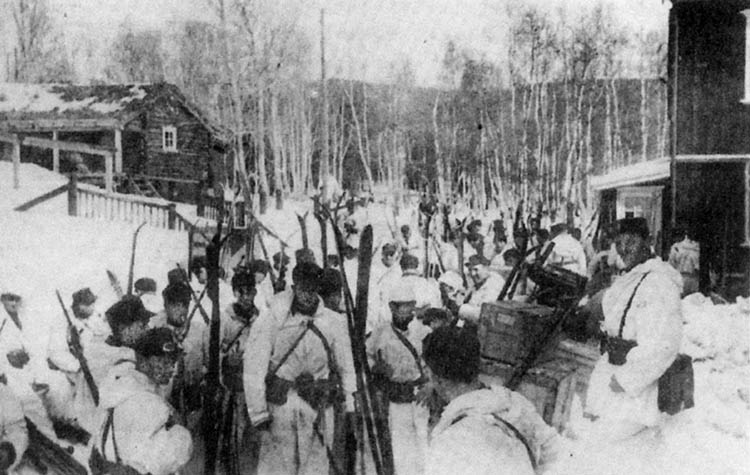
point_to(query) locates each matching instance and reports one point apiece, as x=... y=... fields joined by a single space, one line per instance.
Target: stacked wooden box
x=507 y=331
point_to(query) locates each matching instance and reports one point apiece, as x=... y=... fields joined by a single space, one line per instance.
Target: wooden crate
x=550 y=386
x=508 y=329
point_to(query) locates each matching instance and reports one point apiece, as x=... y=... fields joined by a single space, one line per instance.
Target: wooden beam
x=118 y=150
x=708 y=158
x=41 y=199
x=16 y=164
x=55 y=154
x=8 y=138
x=68 y=146
x=108 y=166
x=747 y=204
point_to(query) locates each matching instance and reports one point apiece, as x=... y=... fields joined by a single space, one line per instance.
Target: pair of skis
x=369 y=405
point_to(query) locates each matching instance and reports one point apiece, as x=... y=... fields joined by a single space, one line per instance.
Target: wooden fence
x=95 y=203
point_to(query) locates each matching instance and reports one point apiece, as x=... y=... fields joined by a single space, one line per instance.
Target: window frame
x=169 y=129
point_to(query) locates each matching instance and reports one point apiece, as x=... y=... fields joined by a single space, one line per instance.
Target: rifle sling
x=630 y=302
x=411 y=349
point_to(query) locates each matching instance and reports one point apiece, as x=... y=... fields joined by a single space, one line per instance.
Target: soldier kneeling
x=139 y=434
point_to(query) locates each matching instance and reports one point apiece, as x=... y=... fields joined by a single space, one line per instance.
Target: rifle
x=377 y=429
x=132 y=258
x=460 y=238
x=213 y=381
x=74 y=344
x=50 y=455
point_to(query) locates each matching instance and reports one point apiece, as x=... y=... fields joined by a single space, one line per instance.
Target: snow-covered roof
x=48 y=106
x=636 y=174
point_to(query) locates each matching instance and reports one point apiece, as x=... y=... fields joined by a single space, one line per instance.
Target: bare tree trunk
x=439 y=158
x=260 y=142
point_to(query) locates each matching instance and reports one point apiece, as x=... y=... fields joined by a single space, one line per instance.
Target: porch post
x=55 y=154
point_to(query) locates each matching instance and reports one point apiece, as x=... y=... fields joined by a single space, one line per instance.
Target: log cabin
x=162 y=144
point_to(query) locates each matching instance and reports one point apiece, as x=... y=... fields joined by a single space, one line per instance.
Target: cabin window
x=169 y=138
x=746 y=99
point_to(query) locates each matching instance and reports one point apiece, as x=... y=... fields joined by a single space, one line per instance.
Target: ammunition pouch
x=617 y=349
x=277 y=389
x=676 y=386
x=101 y=466
x=319 y=394
x=400 y=393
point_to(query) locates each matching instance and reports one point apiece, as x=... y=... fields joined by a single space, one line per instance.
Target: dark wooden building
x=161 y=142
x=709 y=107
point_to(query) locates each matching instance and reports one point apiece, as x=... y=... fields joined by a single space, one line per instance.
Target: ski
x=367 y=402
x=303 y=227
x=132 y=258
x=214 y=395
x=323 y=230
x=115 y=283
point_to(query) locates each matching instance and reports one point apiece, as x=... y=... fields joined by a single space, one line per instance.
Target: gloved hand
x=7 y=455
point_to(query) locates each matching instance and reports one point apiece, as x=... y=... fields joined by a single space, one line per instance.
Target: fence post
x=16 y=163
x=73 y=195
x=171 y=215
x=200 y=203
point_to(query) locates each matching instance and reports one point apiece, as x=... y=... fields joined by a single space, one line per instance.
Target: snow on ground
x=711 y=438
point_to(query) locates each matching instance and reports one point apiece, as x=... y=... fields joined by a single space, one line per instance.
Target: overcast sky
x=364 y=37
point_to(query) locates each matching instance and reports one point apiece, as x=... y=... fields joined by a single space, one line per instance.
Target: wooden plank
x=41 y=199
x=118 y=150
x=707 y=158
x=55 y=154
x=67 y=146
x=747 y=205
x=47 y=125
x=108 y=170
x=9 y=138
x=16 y=165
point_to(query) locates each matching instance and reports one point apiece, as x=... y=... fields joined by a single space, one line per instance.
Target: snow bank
x=34 y=181
x=714 y=436
x=44 y=252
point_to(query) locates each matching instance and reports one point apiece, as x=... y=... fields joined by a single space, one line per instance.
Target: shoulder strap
x=517 y=433
x=289 y=352
x=627 y=306
x=110 y=425
x=238 y=334
x=332 y=369
x=411 y=349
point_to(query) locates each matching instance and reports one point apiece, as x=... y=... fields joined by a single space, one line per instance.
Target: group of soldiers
x=131 y=391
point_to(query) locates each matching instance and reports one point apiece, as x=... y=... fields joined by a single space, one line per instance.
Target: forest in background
x=571 y=97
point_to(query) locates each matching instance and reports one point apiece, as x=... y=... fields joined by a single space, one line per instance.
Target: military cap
x=198 y=263
x=476 y=260
x=409 y=261
x=243 y=279
x=304 y=255
x=157 y=342
x=389 y=249
x=330 y=283
x=636 y=226
x=145 y=284
x=280 y=257
x=177 y=274
x=557 y=228
x=402 y=294
x=127 y=310
x=83 y=297
x=258 y=266
x=177 y=292
x=307 y=275
x=452 y=353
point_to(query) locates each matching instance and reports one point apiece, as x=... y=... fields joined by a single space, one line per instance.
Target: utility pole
x=323 y=177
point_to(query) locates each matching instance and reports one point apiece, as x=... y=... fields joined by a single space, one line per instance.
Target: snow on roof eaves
x=27 y=100
x=638 y=173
